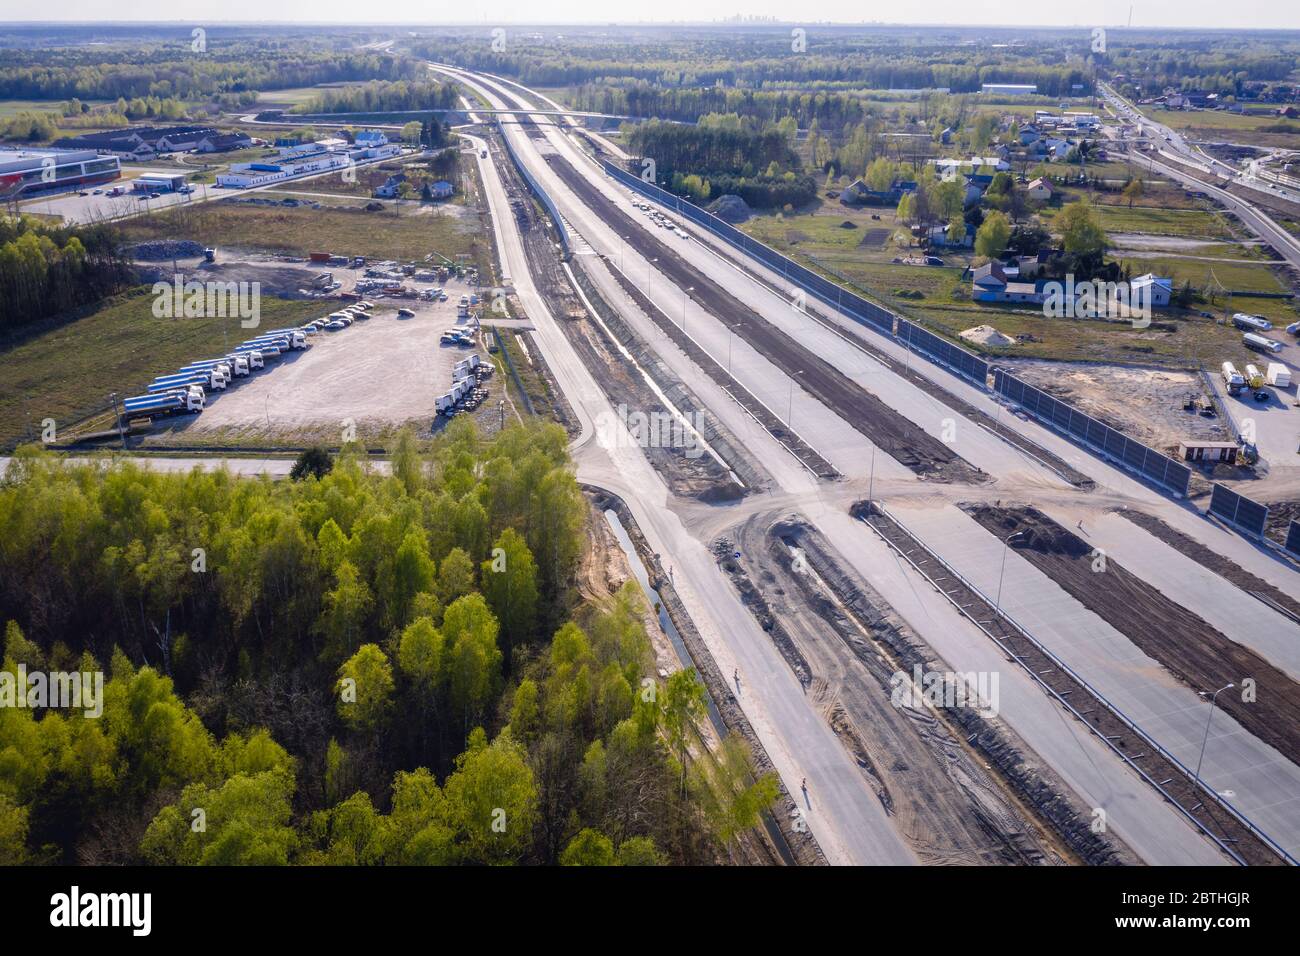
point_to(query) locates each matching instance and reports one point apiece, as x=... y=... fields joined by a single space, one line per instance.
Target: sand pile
x=987 y=335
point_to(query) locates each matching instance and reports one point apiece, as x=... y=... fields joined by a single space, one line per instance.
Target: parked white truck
x=1279 y=376
x=1232 y=378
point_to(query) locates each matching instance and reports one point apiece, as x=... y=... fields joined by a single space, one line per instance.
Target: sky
x=1239 y=14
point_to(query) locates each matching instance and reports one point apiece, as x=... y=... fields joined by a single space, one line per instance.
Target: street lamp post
x=1208 y=718
x=1006 y=543
x=648 y=270
x=686 y=291
x=789 y=413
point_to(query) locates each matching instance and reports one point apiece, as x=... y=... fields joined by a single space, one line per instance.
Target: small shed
x=1213 y=451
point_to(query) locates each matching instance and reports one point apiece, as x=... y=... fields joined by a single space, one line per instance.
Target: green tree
x=365 y=689
x=510 y=586
x=473 y=658
x=588 y=848
x=1081 y=232
x=491 y=800
x=455 y=576
x=992 y=236
x=244 y=822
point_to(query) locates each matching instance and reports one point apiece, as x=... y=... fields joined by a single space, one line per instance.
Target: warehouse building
x=24 y=172
x=1009 y=89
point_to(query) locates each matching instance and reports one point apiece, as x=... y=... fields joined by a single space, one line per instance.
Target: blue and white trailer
x=183 y=385
x=168 y=403
x=210 y=378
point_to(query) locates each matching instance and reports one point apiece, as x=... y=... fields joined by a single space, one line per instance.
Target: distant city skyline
x=1190 y=14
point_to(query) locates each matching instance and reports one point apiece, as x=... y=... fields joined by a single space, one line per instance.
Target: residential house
x=1159 y=288
x=371 y=137
x=859 y=193
x=391 y=187
x=441 y=189
x=938 y=236
x=990 y=283
x=1040 y=189
x=1029 y=134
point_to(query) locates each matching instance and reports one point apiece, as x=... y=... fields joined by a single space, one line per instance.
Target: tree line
x=46 y=270
x=349 y=668
x=384 y=97
x=89 y=73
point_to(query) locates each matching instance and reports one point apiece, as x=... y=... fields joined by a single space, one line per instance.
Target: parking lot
x=374 y=376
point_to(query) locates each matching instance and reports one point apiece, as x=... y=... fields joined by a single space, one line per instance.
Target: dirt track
x=1187 y=646
x=898 y=437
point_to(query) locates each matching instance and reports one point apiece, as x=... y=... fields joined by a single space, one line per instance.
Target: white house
x=1040 y=189
x=1160 y=289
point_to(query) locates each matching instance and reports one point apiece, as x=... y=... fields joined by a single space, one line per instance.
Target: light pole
x=789 y=412
x=730 y=335
x=648 y=270
x=1208 y=718
x=1006 y=543
x=685 y=292
x=871 y=480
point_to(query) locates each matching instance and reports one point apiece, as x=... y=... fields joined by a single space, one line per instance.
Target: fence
x=1239 y=511
x=551 y=209
x=1154 y=466
x=944 y=352
x=1293 y=538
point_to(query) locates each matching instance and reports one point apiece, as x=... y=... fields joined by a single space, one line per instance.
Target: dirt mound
x=161 y=249
x=987 y=335
x=731 y=209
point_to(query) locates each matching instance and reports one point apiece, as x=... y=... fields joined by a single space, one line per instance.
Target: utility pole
x=120 y=433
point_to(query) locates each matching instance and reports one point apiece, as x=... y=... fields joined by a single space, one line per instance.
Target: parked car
x=406 y=313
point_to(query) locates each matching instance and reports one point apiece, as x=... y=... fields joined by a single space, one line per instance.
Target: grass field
x=408 y=232
x=66 y=371
x=1248 y=128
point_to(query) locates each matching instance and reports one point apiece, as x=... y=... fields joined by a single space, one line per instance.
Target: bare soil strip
x=894 y=434
x=937 y=788
x=1161 y=774
x=1195 y=652
x=1209 y=558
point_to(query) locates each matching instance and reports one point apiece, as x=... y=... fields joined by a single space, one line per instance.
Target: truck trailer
x=1259 y=343
x=168 y=403
x=1279 y=376
x=1257 y=323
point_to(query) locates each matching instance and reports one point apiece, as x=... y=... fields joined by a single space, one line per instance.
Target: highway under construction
x=848 y=512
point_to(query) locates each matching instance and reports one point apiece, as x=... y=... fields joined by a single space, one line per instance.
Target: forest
x=345 y=668
x=383 y=97
x=173 y=70
x=734 y=155
x=46 y=270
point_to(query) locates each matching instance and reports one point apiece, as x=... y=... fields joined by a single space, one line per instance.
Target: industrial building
x=307 y=159
x=159 y=183
x=1010 y=89
x=24 y=172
